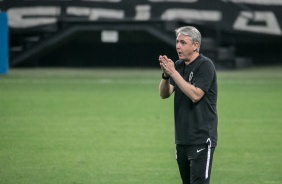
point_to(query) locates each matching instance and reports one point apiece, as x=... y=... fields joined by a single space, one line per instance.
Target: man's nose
x=177 y=45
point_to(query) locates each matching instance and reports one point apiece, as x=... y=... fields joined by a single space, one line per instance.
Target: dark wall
x=85 y=49
x=252 y=29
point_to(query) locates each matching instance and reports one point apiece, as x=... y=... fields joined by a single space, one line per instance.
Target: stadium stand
x=90 y=33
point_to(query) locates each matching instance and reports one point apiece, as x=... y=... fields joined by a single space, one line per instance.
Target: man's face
x=185 y=47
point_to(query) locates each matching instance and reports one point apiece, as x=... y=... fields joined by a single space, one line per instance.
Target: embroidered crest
x=190 y=76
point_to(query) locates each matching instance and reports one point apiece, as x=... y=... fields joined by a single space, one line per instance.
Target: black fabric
x=196 y=122
x=192 y=163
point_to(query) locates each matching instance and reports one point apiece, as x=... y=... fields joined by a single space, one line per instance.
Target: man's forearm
x=192 y=92
x=164 y=88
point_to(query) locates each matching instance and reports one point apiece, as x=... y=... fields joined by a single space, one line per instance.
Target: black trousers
x=195 y=163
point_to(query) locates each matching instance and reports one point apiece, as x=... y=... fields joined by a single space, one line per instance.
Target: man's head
x=192 y=32
x=188 y=41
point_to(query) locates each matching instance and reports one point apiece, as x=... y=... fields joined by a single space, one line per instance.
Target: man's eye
x=181 y=42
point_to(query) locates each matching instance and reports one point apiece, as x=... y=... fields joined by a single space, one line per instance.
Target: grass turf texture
x=106 y=126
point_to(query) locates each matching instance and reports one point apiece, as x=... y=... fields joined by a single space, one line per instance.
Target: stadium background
x=80 y=102
x=90 y=33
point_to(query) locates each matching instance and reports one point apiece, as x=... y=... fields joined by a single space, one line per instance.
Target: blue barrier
x=4 y=67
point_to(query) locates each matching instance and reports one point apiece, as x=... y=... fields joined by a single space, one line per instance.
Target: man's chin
x=182 y=59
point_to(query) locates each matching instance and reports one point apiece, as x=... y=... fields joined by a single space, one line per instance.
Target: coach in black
x=193 y=80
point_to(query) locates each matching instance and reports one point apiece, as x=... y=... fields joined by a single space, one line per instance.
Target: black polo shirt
x=195 y=123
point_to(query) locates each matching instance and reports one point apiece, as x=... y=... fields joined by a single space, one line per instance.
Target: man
x=193 y=80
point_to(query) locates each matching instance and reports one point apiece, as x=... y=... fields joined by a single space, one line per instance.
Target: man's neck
x=193 y=58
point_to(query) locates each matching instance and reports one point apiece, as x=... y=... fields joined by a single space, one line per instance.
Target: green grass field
x=109 y=126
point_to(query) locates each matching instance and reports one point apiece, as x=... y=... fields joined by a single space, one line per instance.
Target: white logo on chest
x=190 y=76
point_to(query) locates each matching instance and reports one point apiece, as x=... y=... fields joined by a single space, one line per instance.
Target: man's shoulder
x=204 y=58
x=205 y=61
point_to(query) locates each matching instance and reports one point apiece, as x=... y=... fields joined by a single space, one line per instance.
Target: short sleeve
x=204 y=76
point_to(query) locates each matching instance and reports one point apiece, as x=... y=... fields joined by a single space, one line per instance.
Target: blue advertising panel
x=3 y=44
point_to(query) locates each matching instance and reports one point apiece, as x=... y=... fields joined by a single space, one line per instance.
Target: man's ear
x=196 y=46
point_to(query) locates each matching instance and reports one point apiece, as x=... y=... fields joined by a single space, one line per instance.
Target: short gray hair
x=192 y=32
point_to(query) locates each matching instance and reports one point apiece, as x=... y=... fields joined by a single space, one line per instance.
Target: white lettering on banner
x=97 y=13
x=189 y=15
x=29 y=17
x=25 y=17
x=143 y=12
x=78 y=11
x=271 y=24
x=259 y=2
